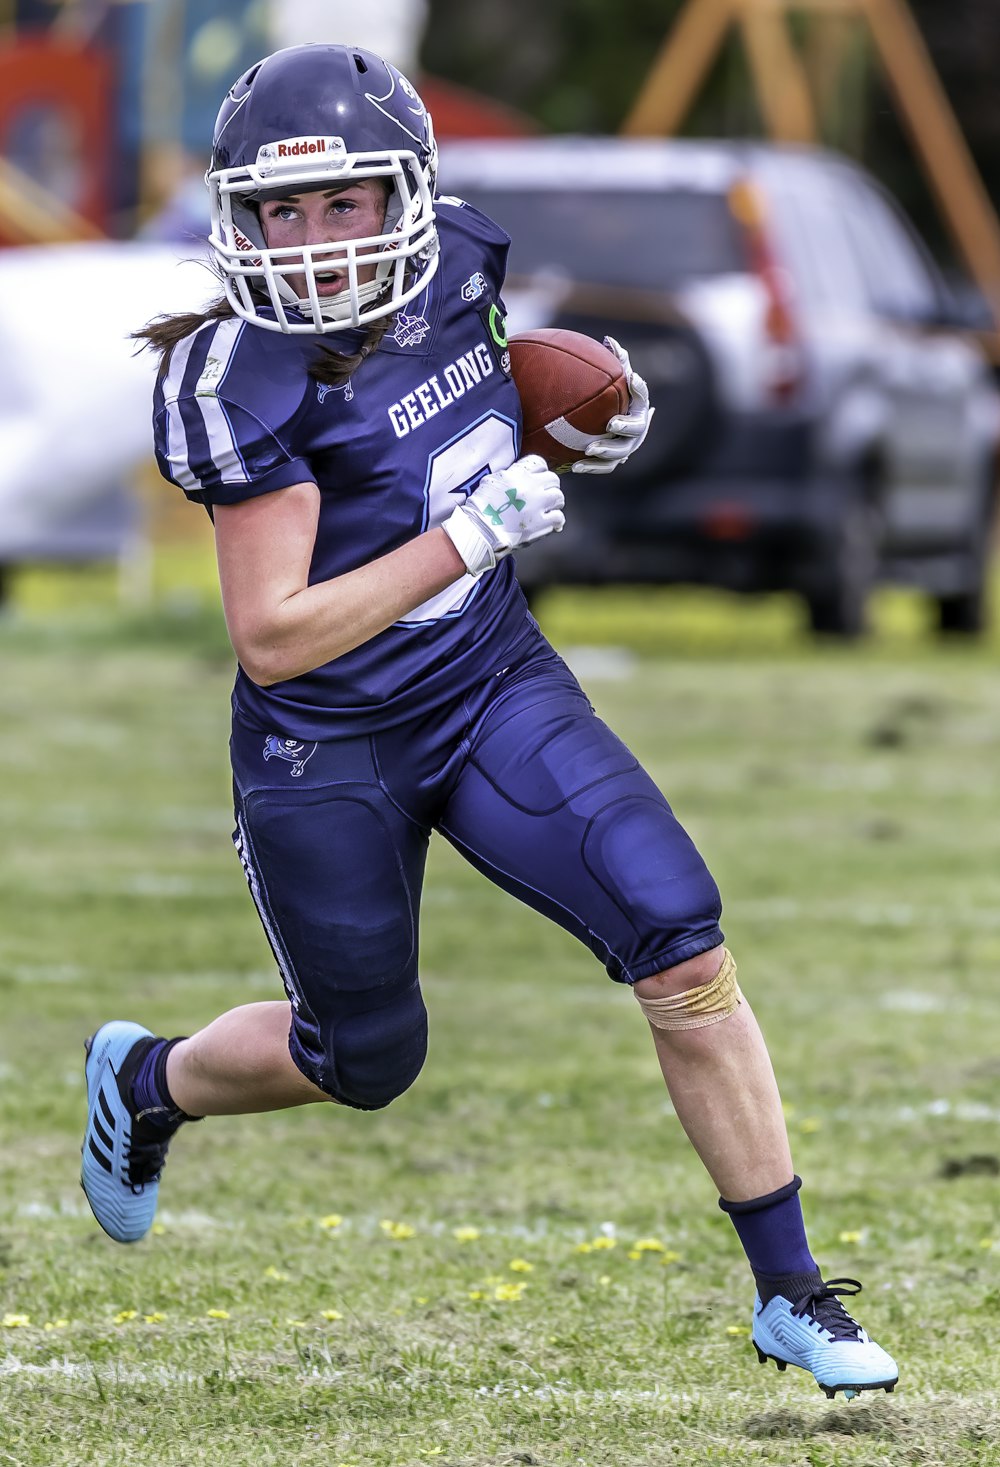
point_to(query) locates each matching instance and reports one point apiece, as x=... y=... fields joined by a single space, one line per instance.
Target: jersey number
x=452 y=471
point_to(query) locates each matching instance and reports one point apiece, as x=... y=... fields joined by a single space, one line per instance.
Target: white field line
x=866 y=914
x=165 y=1375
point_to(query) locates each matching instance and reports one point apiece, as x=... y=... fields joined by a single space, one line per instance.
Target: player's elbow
x=263 y=657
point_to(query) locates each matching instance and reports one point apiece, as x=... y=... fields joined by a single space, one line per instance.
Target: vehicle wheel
x=967 y=613
x=840 y=601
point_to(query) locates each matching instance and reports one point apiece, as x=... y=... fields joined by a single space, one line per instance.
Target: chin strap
x=339 y=307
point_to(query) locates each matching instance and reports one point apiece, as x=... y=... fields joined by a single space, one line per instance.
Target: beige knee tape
x=697 y=1007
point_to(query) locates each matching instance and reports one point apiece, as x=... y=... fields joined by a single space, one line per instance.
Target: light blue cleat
x=817 y=1334
x=122 y=1158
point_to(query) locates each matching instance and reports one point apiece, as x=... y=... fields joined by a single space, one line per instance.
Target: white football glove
x=512 y=507
x=625 y=433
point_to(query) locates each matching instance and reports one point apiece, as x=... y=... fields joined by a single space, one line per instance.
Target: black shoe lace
x=147 y=1152
x=822 y=1307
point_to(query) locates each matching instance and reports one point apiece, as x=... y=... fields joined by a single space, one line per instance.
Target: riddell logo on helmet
x=289 y=149
x=300 y=146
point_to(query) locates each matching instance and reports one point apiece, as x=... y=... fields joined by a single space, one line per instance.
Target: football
x=569 y=386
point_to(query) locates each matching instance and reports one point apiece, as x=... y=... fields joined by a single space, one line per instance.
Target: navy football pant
x=527 y=782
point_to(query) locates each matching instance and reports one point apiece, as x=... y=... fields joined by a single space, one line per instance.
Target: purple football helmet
x=300 y=119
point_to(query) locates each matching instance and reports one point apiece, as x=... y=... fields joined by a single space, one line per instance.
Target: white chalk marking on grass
x=267 y=979
x=913 y=1001
x=861 y=914
x=48 y=973
x=607 y=664
x=86 y=1369
x=165 y=1375
x=190 y=1220
x=958 y=1110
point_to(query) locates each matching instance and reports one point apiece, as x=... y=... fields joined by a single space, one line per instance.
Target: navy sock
x=150 y=1095
x=774 y=1240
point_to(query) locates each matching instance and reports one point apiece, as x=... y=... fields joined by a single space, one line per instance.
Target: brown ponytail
x=330 y=367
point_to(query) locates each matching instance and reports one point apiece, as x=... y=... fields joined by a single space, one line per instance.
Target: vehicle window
x=643 y=239
x=818 y=250
x=898 y=278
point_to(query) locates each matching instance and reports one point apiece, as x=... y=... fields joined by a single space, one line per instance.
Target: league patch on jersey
x=210 y=375
x=474 y=287
x=496 y=329
x=410 y=330
x=293 y=751
x=324 y=388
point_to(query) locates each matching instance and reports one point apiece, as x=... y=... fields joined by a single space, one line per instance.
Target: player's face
x=351 y=211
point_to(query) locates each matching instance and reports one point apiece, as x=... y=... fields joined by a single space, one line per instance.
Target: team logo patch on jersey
x=293 y=751
x=474 y=287
x=323 y=389
x=410 y=330
x=496 y=329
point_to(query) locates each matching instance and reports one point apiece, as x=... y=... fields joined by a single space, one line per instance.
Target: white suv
x=823 y=422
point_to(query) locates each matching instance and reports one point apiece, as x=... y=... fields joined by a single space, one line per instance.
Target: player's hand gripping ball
x=584 y=407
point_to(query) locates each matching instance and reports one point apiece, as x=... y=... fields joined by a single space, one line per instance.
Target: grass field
x=457 y=1280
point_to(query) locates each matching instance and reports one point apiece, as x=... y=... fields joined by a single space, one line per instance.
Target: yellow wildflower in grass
x=158 y=1229
x=421 y=1299
x=15 y=1321
x=331 y=1221
x=584 y=1248
x=809 y=1125
x=124 y=1315
x=216 y=1314
x=271 y=1272
x=477 y=1294
x=669 y=1256
x=604 y=1280
x=634 y=1254
x=604 y=1242
x=57 y=1324
x=648 y=1245
x=737 y=1329
x=465 y=1235
x=987 y=1243
x=154 y=1318
x=850 y=1235
x=521 y=1265
x=506 y=1293
x=397 y=1230
x=297 y=1324
x=332 y=1314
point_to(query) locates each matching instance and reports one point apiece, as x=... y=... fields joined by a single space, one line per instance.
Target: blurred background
x=785 y=210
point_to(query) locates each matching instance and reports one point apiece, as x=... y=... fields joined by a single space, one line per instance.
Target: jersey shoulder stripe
x=201 y=446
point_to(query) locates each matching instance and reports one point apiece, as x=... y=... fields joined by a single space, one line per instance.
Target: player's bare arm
x=281 y=626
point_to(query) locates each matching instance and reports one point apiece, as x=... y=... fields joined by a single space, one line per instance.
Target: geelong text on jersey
x=430 y=397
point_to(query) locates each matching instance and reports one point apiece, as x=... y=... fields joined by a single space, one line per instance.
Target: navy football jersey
x=236 y=414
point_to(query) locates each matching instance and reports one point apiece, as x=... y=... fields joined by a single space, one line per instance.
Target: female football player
x=346 y=416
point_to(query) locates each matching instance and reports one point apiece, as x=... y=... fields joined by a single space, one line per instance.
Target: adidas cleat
x=817 y=1334
x=122 y=1157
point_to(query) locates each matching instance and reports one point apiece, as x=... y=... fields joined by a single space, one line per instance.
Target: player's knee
x=692 y=995
x=690 y=974
x=368 y=1059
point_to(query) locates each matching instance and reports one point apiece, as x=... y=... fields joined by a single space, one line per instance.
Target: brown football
x=569 y=386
